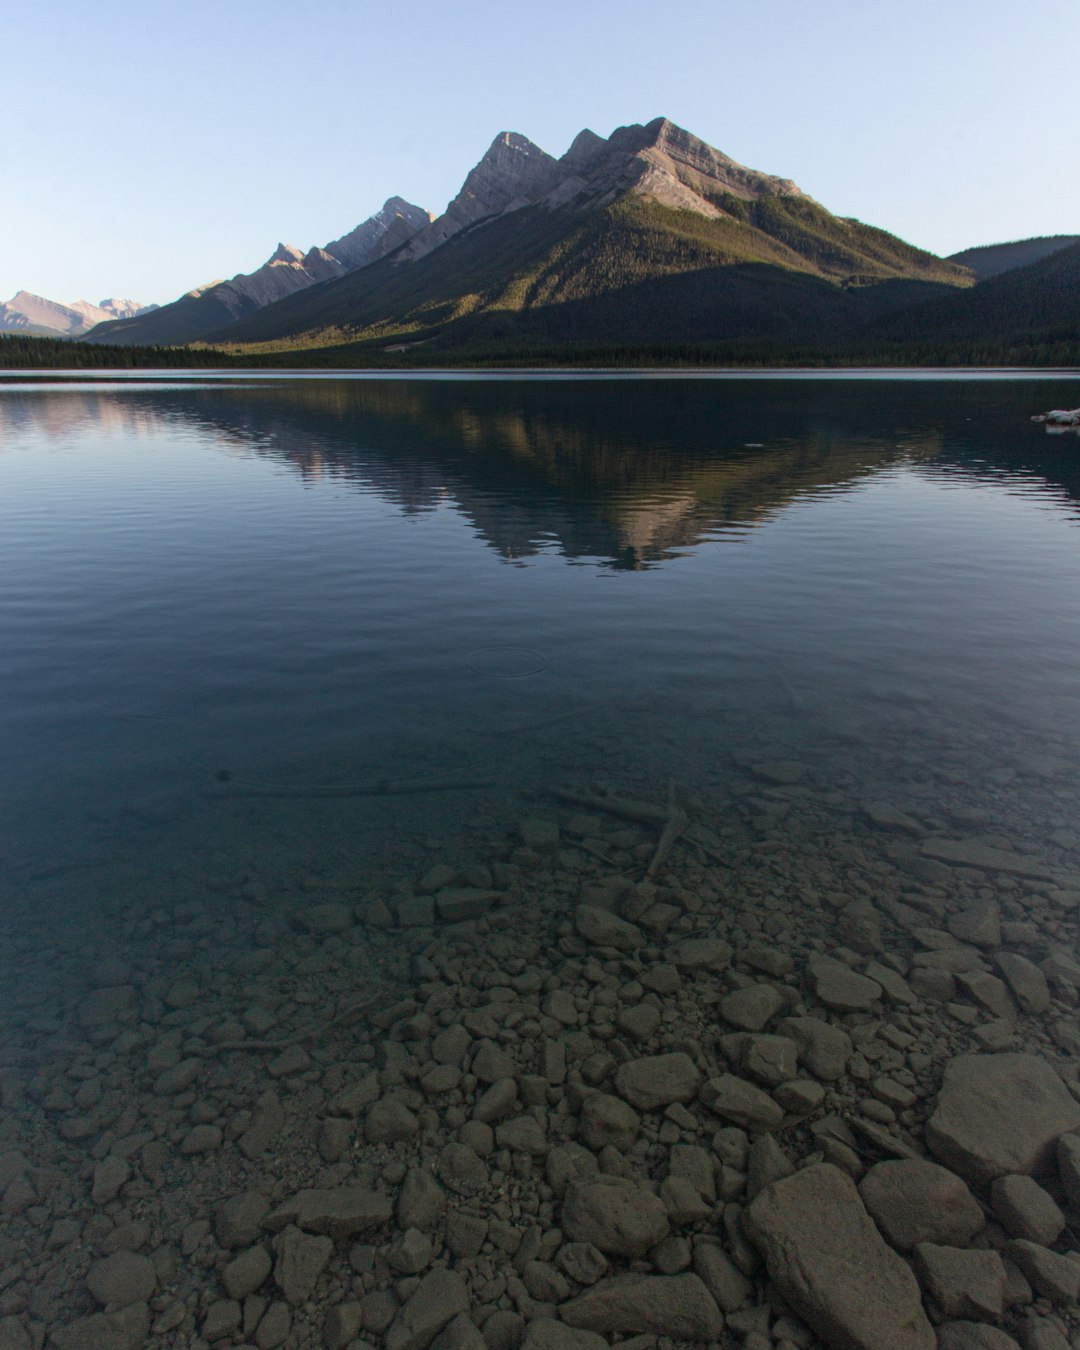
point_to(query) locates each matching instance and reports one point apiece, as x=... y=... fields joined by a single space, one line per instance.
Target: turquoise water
x=511 y=586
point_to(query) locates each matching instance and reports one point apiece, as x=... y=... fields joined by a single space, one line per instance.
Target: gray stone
x=1026 y=1210
x=886 y=816
x=683 y=1202
x=239 y=1220
x=1068 y=1161
x=267 y=1121
x=962 y=1283
x=451 y=1046
x=1055 y=1277
x=338 y=1211
x=582 y=1262
x=389 y=1121
x=721 y=1276
x=973 y=1336
x=978 y=924
x=604 y=929
x=678 y=1306
x=223 y=1317
x=766 y=1162
x=1044 y=1333
x=274 y=1327
x=126 y=1329
x=567 y=1162
x=851 y=1289
x=752 y=1008
x=913 y=1201
x=301 y=1259
x=618 y=1216
x=120 y=1279
x=344 y=1323
x=411 y=1253
x=491 y=1063
x=988 y=992
x=800 y=1096
x=695 y=954
x=544 y=1333
x=458 y=904
x=823 y=1049
x=246 y=1272
x=109 y=1176
x=497 y=1102
x=523 y=1134
x=462 y=1169
x=658 y=1081
x=839 y=987
x=770 y=1060
x=460 y=1333
x=970 y=853
x=741 y=1102
x=14 y=1335
x=421 y=1201
x=1000 y=1114
x=639 y=1023
x=1026 y=981
x=694 y=1164
x=438 y=1297
x=608 y=1120
x=465 y=1233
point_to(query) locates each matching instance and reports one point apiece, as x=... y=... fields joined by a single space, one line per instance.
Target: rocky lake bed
x=813 y=1079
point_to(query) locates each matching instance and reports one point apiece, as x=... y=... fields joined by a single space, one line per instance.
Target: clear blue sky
x=147 y=147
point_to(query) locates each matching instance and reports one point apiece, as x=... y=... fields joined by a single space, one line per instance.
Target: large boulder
x=830 y=1263
x=678 y=1306
x=998 y=1115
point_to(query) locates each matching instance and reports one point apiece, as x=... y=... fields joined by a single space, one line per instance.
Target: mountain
x=285 y=272
x=33 y=315
x=990 y=260
x=1029 y=314
x=648 y=237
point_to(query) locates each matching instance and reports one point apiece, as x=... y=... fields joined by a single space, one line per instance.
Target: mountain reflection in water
x=623 y=473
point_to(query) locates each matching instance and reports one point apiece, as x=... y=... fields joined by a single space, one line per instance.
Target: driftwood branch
x=671 y=820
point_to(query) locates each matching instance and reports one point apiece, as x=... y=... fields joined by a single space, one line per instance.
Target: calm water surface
x=529 y=584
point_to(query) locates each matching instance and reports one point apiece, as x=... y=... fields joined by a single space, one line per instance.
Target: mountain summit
x=660 y=161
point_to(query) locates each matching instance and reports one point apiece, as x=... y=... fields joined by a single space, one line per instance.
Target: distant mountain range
x=646 y=244
x=34 y=316
x=287 y=270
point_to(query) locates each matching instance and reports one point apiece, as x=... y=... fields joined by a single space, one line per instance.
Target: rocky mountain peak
x=512 y=173
x=585 y=150
x=285 y=253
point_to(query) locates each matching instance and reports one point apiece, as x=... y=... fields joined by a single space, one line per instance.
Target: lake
x=327 y=696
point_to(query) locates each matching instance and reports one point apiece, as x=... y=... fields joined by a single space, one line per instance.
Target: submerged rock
x=832 y=1266
x=1000 y=1114
x=663 y=1305
x=913 y=1201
